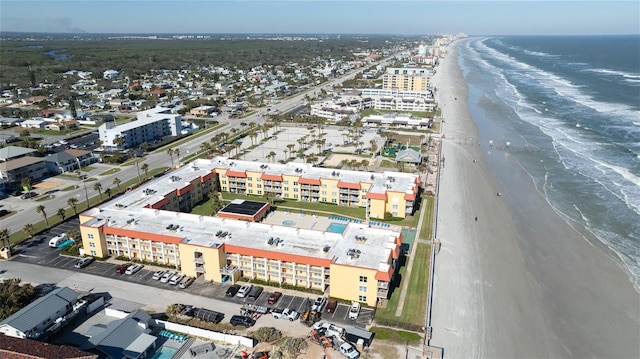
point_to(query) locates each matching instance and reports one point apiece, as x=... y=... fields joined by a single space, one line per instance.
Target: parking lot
x=37 y=251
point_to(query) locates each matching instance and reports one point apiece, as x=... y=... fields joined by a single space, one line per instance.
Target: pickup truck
x=285 y=314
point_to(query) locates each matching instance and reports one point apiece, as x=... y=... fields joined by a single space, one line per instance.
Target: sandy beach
x=519 y=282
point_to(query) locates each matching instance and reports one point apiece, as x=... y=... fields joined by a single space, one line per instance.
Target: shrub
x=267 y=334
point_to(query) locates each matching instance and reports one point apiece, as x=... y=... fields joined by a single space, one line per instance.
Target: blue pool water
x=289 y=223
x=164 y=353
x=336 y=227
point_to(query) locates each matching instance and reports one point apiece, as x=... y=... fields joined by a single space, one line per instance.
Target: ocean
x=567 y=110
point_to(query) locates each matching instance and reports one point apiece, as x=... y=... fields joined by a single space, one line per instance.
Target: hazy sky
x=326 y=17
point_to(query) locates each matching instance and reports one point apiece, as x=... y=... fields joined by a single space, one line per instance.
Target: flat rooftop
x=358 y=245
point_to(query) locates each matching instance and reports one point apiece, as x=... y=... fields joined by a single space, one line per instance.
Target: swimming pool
x=289 y=223
x=164 y=353
x=336 y=227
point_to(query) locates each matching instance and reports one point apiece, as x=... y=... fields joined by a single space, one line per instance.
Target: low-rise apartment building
x=150 y=125
x=356 y=260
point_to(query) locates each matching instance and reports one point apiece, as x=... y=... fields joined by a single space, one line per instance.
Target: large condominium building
x=400 y=100
x=406 y=79
x=357 y=261
x=150 y=125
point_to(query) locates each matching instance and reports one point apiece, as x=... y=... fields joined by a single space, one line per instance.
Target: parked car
x=176 y=279
x=274 y=297
x=83 y=262
x=285 y=314
x=158 y=274
x=255 y=292
x=242 y=320
x=331 y=306
x=186 y=282
x=3 y=212
x=122 y=268
x=233 y=290
x=244 y=290
x=354 y=310
x=318 y=305
x=348 y=350
x=28 y=195
x=133 y=269
x=166 y=276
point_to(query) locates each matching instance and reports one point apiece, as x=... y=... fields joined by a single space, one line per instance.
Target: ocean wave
x=561 y=86
x=541 y=54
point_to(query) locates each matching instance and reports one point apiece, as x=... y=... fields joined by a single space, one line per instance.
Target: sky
x=507 y=17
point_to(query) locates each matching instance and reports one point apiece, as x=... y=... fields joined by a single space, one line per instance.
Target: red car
x=273 y=298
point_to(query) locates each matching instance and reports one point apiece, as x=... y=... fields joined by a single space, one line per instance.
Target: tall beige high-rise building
x=406 y=79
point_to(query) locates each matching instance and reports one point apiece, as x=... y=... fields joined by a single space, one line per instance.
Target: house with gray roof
x=124 y=338
x=409 y=156
x=13 y=152
x=68 y=160
x=33 y=320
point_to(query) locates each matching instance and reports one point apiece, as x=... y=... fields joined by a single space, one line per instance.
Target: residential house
x=33 y=320
x=110 y=74
x=409 y=155
x=127 y=338
x=68 y=160
x=34 y=123
x=24 y=167
x=202 y=110
x=12 y=152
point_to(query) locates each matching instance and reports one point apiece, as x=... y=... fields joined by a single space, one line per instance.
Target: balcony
x=199 y=269
x=198 y=260
x=383 y=285
x=229 y=269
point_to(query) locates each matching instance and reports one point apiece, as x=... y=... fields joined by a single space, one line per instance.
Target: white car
x=318 y=305
x=158 y=274
x=349 y=351
x=176 y=279
x=166 y=276
x=244 y=290
x=354 y=310
x=133 y=269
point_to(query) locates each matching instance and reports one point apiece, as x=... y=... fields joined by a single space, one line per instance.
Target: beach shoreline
x=519 y=281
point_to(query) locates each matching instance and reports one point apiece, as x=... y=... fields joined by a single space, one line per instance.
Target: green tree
x=145 y=168
x=25 y=183
x=98 y=187
x=28 y=230
x=62 y=214
x=108 y=192
x=117 y=181
x=40 y=209
x=170 y=153
x=4 y=237
x=73 y=203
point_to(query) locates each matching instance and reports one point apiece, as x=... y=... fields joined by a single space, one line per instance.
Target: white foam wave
x=561 y=86
x=542 y=54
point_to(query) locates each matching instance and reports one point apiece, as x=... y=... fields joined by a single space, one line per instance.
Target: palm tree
x=170 y=153
x=28 y=230
x=145 y=168
x=62 y=214
x=98 y=187
x=117 y=181
x=365 y=164
x=271 y=155
x=108 y=192
x=40 y=209
x=291 y=146
x=73 y=203
x=4 y=237
x=177 y=152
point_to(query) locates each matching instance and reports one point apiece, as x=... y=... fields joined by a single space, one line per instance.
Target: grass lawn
x=203 y=209
x=70 y=188
x=394 y=335
x=426 y=231
x=415 y=303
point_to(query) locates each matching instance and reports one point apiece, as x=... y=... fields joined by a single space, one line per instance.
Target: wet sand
x=519 y=282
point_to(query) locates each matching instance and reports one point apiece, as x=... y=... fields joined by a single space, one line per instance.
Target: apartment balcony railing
x=199 y=269
x=198 y=260
x=229 y=269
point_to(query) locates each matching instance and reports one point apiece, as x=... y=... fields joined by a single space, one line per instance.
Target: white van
x=176 y=279
x=57 y=240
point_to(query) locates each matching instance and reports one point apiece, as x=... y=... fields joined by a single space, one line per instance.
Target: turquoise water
x=288 y=223
x=336 y=227
x=164 y=353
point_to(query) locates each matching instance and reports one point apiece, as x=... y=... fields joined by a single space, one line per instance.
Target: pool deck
x=306 y=220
